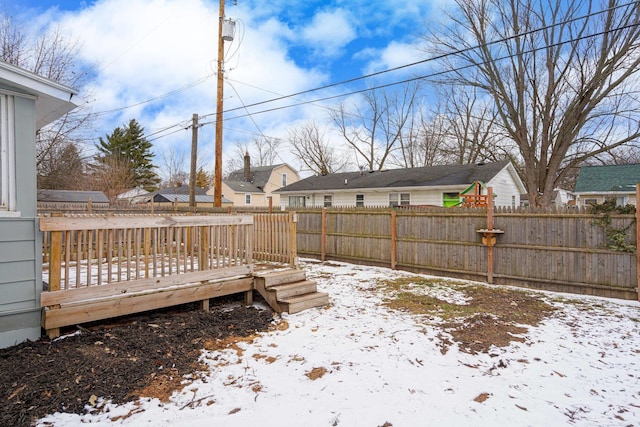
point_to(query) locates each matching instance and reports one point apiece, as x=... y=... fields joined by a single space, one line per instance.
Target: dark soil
x=146 y=355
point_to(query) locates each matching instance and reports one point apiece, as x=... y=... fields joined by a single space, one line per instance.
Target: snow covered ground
x=359 y=363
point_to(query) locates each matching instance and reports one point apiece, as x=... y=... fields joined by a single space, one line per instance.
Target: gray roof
x=70 y=196
x=608 y=178
x=184 y=198
x=259 y=175
x=183 y=189
x=243 y=187
x=430 y=176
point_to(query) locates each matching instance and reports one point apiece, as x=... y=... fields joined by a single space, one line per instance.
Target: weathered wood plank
x=120 y=288
x=90 y=311
x=109 y=222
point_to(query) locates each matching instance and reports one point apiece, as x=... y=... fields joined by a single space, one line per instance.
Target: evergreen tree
x=128 y=145
x=203 y=179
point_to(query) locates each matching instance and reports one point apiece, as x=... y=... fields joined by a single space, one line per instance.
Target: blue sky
x=144 y=49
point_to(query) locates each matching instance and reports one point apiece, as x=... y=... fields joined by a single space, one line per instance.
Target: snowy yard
x=363 y=361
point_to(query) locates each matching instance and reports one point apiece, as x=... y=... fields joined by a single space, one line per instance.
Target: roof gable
x=260 y=175
x=430 y=176
x=608 y=178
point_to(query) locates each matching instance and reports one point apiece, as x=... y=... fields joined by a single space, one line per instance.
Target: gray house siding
x=20 y=280
x=20 y=241
x=25 y=132
x=36 y=102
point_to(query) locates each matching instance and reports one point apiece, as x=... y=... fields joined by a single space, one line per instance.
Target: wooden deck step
x=303 y=302
x=275 y=278
x=294 y=289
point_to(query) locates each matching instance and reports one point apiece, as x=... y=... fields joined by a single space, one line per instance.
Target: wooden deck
x=99 y=267
x=102 y=267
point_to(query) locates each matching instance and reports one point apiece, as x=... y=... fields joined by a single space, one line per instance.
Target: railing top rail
x=111 y=223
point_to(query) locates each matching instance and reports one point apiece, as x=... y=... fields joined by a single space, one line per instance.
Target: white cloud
x=146 y=48
x=329 y=31
x=395 y=54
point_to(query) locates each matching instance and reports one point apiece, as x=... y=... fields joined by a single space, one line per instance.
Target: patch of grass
x=489 y=316
x=425 y=304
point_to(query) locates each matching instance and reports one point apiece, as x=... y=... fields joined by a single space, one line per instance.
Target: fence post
x=394 y=248
x=638 y=238
x=55 y=270
x=490 y=227
x=323 y=235
x=293 y=249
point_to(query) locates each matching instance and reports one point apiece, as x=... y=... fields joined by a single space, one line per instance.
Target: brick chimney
x=247 y=167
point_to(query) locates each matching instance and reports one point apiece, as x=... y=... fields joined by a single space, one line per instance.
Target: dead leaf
x=482 y=397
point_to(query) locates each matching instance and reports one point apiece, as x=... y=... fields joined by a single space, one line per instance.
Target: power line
x=424 y=61
x=156 y=98
x=423 y=77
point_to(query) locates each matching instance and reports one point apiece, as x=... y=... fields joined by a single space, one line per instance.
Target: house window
x=621 y=201
x=588 y=202
x=7 y=154
x=296 y=201
x=328 y=200
x=247 y=199
x=399 y=199
x=359 y=200
x=284 y=179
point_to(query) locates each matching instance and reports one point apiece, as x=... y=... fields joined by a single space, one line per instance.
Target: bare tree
x=113 y=175
x=173 y=169
x=374 y=129
x=422 y=141
x=266 y=149
x=262 y=150
x=62 y=169
x=310 y=145
x=49 y=54
x=562 y=77
x=472 y=134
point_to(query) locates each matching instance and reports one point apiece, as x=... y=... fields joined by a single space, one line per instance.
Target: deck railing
x=152 y=250
x=275 y=238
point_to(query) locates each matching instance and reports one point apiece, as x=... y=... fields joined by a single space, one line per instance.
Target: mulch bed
x=119 y=360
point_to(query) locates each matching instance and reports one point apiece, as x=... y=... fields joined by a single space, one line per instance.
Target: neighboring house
x=169 y=197
x=431 y=186
x=27 y=103
x=253 y=186
x=133 y=196
x=560 y=198
x=57 y=199
x=596 y=184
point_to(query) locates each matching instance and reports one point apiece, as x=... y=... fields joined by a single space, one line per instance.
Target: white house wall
x=505 y=188
x=275 y=182
x=373 y=198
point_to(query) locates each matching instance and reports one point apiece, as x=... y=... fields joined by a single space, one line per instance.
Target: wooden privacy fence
x=102 y=267
x=562 y=251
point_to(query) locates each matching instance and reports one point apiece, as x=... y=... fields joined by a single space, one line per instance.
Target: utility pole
x=194 y=157
x=217 y=174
